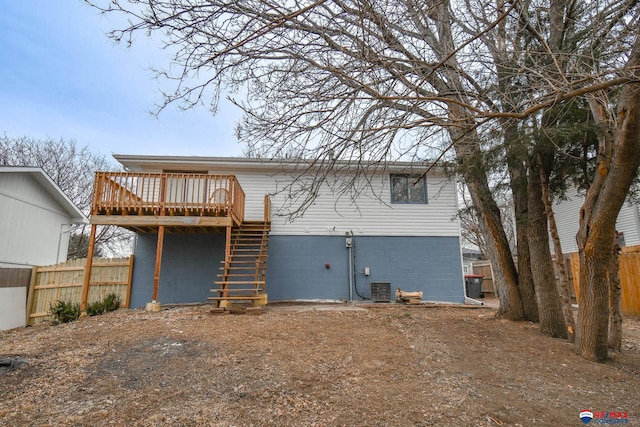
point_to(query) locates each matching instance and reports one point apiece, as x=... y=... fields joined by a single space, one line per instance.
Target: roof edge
x=129 y=160
x=76 y=216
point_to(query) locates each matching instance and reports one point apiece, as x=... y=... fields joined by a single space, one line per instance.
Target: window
x=408 y=189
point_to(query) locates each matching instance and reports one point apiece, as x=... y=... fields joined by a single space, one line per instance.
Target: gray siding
x=190 y=264
x=296 y=267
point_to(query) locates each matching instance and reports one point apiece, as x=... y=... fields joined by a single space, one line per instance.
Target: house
x=469 y=256
x=224 y=229
x=567 y=215
x=35 y=223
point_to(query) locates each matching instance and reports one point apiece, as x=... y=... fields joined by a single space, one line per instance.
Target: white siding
x=369 y=215
x=567 y=214
x=567 y=219
x=627 y=223
x=31 y=223
x=12 y=308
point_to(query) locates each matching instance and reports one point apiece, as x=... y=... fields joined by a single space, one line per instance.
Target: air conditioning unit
x=380 y=292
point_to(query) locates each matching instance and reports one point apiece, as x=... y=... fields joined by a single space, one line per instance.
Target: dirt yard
x=314 y=365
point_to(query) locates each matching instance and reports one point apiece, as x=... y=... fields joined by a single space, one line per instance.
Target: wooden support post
x=87 y=269
x=127 y=302
x=156 y=276
x=30 y=295
x=267 y=208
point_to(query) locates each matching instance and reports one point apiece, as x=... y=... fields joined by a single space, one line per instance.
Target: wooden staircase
x=243 y=273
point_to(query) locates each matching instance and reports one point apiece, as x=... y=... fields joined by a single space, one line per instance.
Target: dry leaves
x=310 y=366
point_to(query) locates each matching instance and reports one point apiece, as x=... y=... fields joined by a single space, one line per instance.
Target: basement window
x=408 y=189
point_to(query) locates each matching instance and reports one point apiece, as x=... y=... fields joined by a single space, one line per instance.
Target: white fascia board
x=137 y=163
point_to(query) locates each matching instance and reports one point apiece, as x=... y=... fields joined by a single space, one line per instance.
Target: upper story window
x=408 y=189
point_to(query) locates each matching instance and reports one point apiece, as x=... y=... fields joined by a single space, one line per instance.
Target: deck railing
x=133 y=193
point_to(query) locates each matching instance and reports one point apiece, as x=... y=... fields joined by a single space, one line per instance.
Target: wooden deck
x=179 y=201
x=191 y=203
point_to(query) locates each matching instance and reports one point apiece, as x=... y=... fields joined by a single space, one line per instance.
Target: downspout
x=71 y=227
x=467 y=299
x=349 y=243
x=355 y=267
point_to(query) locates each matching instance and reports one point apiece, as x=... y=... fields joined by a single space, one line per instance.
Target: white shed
x=35 y=223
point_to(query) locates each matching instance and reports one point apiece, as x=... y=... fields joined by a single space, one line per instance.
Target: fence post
x=32 y=285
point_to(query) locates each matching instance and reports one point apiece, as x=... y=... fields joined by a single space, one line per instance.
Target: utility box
x=380 y=292
x=473 y=285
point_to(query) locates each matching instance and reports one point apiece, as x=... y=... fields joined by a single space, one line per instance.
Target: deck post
x=87 y=269
x=156 y=275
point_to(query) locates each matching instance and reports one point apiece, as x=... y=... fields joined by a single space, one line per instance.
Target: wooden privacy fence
x=484 y=268
x=629 y=278
x=63 y=282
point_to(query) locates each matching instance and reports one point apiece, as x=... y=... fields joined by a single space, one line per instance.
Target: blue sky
x=61 y=77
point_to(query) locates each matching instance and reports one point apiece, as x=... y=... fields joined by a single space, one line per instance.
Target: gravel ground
x=311 y=365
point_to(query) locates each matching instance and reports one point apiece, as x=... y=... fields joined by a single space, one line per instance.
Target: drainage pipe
x=350 y=247
x=472 y=301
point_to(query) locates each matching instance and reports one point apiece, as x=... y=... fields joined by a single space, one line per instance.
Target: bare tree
x=73 y=169
x=470 y=221
x=331 y=80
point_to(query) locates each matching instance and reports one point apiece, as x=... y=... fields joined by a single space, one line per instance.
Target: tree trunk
x=549 y=306
x=525 y=278
x=473 y=169
x=518 y=182
x=507 y=85
x=615 y=303
x=593 y=307
x=506 y=276
x=617 y=164
x=563 y=282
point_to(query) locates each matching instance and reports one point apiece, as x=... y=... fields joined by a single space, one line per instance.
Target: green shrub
x=110 y=303
x=64 y=311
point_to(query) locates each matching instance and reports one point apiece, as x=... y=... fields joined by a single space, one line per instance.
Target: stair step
x=245 y=266
x=238 y=275
x=240 y=268
x=239 y=282
x=246 y=257
x=244 y=262
x=247 y=260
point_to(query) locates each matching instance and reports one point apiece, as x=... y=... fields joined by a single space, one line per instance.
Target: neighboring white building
x=567 y=213
x=35 y=224
x=35 y=218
